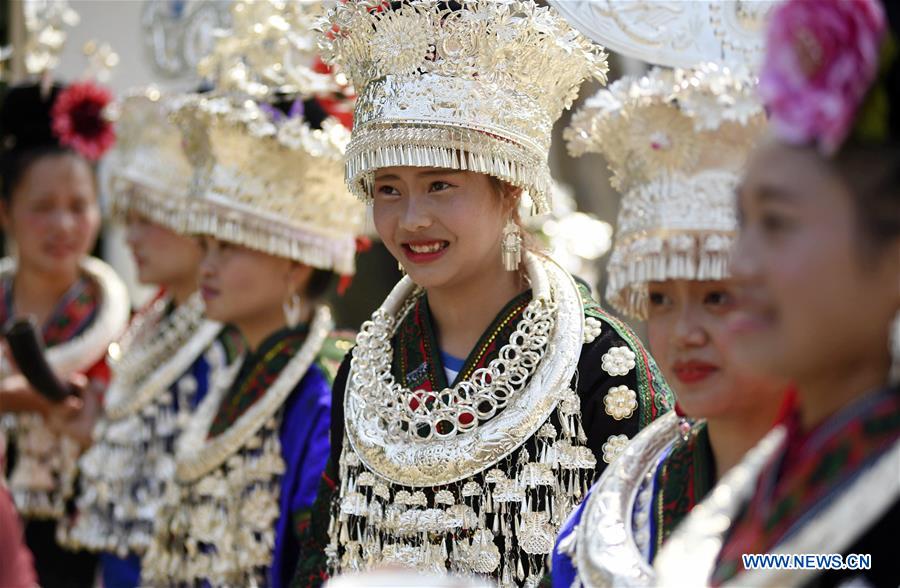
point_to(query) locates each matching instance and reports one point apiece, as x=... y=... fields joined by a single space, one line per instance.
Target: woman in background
x=818 y=267
x=677 y=166
x=163 y=364
x=277 y=223
x=51 y=215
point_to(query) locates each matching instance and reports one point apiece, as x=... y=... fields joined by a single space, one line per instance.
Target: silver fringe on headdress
x=676 y=143
x=148 y=173
x=477 y=88
x=276 y=188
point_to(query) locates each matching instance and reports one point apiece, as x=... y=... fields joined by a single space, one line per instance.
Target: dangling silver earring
x=292 y=311
x=511 y=246
x=895 y=350
x=401 y=268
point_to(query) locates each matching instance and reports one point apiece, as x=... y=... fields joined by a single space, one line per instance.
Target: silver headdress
x=149 y=173
x=676 y=142
x=477 y=88
x=264 y=180
x=273 y=187
x=269 y=50
x=674 y=33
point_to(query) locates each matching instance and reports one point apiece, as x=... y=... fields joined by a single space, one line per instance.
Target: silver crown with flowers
x=474 y=88
x=269 y=182
x=148 y=171
x=268 y=50
x=272 y=187
x=676 y=142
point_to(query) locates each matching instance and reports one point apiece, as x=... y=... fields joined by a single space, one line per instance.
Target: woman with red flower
x=818 y=263
x=78 y=120
x=49 y=210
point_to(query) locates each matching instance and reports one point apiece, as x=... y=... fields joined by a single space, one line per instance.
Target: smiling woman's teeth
x=432 y=248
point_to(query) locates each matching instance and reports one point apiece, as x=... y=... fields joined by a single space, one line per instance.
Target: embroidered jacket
x=127 y=470
x=88 y=317
x=239 y=518
x=831 y=491
x=500 y=522
x=834 y=489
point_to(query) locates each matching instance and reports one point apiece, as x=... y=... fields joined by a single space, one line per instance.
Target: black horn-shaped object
x=27 y=348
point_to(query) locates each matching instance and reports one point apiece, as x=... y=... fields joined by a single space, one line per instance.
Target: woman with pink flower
x=818 y=263
x=49 y=210
x=669 y=267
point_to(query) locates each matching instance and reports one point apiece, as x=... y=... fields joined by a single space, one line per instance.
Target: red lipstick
x=691 y=372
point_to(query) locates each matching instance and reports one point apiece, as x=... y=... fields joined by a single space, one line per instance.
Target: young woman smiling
x=817 y=263
x=489 y=388
x=669 y=267
x=276 y=223
x=50 y=213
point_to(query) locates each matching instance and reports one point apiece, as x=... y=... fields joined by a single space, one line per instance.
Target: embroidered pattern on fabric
x=814 y=472
x=255 y=384
x=656 y=398
x=684 y=478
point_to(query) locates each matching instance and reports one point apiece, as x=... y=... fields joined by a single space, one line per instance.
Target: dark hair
x=25 y=133
x=319 y=283
x=872 y=175
x=16 y=165
x=870 y=166
x=313 y=112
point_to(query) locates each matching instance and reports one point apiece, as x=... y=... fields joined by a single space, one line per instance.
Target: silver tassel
x=511 y=246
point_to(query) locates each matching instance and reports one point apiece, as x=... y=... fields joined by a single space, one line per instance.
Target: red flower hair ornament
x=79 y=122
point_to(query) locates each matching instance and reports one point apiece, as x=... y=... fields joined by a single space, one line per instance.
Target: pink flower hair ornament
x=822 y=57
x=78 y=120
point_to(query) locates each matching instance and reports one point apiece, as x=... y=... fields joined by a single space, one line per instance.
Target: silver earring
x=895 y=350
x=292 y=311
x=511 y=246
x=401 y=268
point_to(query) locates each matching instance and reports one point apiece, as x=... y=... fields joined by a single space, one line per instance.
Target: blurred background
x=141 y=42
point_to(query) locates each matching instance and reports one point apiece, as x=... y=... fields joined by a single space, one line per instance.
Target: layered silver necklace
x=156 y=349
x=427 y=478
